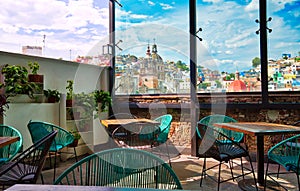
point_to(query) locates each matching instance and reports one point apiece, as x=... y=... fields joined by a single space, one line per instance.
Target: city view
x=152 y=42
x=150 y=74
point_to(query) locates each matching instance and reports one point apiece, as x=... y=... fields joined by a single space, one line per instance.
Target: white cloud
x=151 y=3
x=252 y=6
x=73 y=24
x=166 y=6
x=228 y=30
x=212 y=1
x=228 y=52
x=277 y=5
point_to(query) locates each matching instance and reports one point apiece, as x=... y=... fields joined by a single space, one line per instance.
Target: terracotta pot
x=51 y=99
x=36 y=78
x=69 y=103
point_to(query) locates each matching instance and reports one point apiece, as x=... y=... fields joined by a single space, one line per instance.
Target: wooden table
x=111 y=124
x=30 y=187
x=8 y=140
x=259 y=129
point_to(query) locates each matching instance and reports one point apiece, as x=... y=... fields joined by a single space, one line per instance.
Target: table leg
x=260 y=159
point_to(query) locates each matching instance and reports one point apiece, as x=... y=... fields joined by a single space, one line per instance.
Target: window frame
x=263 y=40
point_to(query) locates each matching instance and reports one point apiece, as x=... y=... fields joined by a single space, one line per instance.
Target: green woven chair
x=121 y=167
x=297 y=123
x=136 y=135
x=212 y=145
x=287 y=154
x=9 y=151
x=163 y=136
x=165 y=124
x=216 y=118
x=64 y=138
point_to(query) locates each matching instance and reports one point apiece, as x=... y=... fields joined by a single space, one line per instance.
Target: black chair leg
x=298 y=181
x=231 y=167
x=203 y=169
x=278 y=171
x=42 y=178
x=75 y=154
x=242 y=166
x=252 y=169
x=266 y=176
x=219 y=177
x=54 y=166
x=50 y=163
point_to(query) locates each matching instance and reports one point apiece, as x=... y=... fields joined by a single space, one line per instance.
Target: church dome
x=156 y=56
x=237 y=85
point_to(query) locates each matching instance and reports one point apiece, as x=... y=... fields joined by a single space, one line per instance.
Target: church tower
x=154 y=48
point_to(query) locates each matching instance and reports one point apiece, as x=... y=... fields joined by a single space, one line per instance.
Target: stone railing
x=241 y=106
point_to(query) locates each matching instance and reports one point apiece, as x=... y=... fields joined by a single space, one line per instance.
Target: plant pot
x=51 y=99
x=69 y=103
x=36 y=78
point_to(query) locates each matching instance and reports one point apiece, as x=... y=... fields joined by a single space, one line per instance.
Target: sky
x=80 y=27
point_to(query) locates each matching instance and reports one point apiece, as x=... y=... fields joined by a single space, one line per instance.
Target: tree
x=182 y=66
x=255 y=62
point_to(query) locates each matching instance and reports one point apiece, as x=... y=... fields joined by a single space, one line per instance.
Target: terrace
x=166 y=87
x=189 y=171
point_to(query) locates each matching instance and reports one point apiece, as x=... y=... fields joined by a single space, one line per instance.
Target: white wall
x=56 y=72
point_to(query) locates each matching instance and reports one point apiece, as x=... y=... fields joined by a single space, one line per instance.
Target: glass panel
x=228 y=56
x=152 y=53
x=60 y=29
x=283 y=46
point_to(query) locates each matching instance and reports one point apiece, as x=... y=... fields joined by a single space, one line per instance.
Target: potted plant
x=16 y=81
x=103 y=99
x=35 y=77
x=86 y=103
x=69 y=98
x=76 y=136
x=52 y=96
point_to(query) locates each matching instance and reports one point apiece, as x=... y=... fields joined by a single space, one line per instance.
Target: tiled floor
x=188 y=170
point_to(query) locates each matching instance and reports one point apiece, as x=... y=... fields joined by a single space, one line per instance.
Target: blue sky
x=228 y=30
x=229 y=39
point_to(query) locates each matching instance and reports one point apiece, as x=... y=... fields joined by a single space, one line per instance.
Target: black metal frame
x=194 y=106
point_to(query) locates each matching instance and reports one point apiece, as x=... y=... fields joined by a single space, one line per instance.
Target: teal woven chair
x=287 y=154
x=64 y=138
x=297 y=123
x=165 y=125
x=136 y=135
x=211 y=145
x=216 y=118
x=163 y=136
x=8 y=152
x=121 y=167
